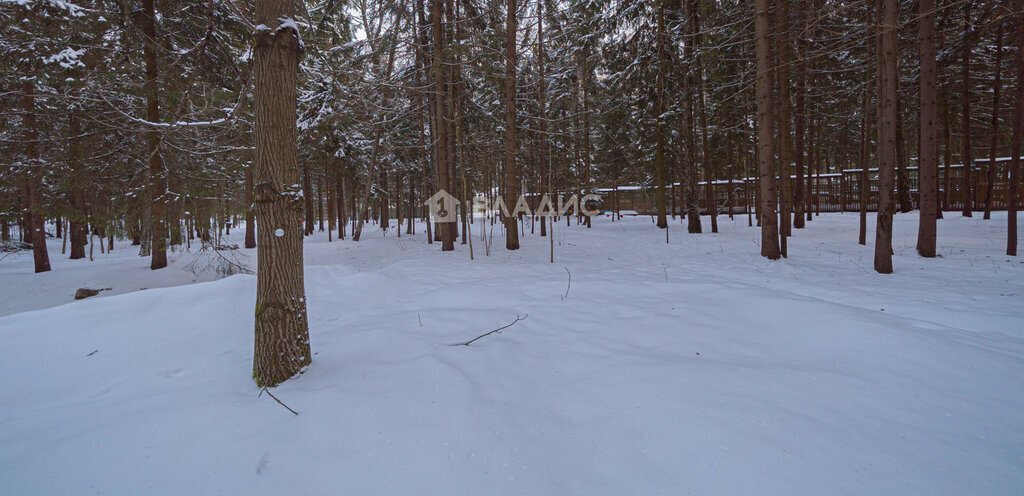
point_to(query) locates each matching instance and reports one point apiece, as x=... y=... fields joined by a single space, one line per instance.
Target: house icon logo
x=442 y=206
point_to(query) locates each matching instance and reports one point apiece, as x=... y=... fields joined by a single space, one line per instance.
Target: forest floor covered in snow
x=694 y=367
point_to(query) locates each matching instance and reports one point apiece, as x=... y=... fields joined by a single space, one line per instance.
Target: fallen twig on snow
x=496 y=331
x=568 y=285
x=265 y=390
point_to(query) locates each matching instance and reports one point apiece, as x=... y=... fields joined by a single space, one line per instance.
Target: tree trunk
x=903 y=198
x=341 y=203
x=173 y=207
x=688 y=129
x=586 y=148
x=460 y=143
x=707 y=160
x=77 y=218
x=511 y=172
x=364 y=204
x=785 y=133
x=34 y=191
x=332 y=196
x=409 y=190
x=766 y=135
x=545 y=183
x=928 y=156
x=146 y=230
x=798 y=142
x=425 y=103
x=157 y=173
x=25 y=231
x=307 y=199
x=947 y=178
x=996 y=83
x=250 y=216
x=385 y=206
x=454 y=118
x=812 y=144
x=320 y=204
x=729 y=178
x=1015 y=144
x=282 y=330
x=446 y=231
x=864 y=186
x=659 y=109
x=888 y=85
x=965 y=156
x=451 y=115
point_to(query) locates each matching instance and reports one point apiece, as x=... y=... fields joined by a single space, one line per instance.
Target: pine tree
x=888 y=81
x=766 y=135
x=511 y=172
x=928 y=163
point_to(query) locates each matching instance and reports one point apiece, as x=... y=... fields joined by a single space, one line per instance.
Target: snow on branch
x=68 y=58
x=72 y=9
x=230 y=113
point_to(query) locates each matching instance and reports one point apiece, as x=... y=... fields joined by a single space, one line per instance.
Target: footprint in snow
x=264 y=460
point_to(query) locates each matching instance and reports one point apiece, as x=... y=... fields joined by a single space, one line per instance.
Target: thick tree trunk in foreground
x=766 y=135
x=928 y=162
x=157 y=174
x=36 y=224
x=887 y=93
x=282 y=329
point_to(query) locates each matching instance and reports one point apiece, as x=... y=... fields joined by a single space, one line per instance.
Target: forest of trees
x=166 y=122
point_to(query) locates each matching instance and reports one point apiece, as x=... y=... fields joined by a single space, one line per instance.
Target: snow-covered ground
x=694 y=367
